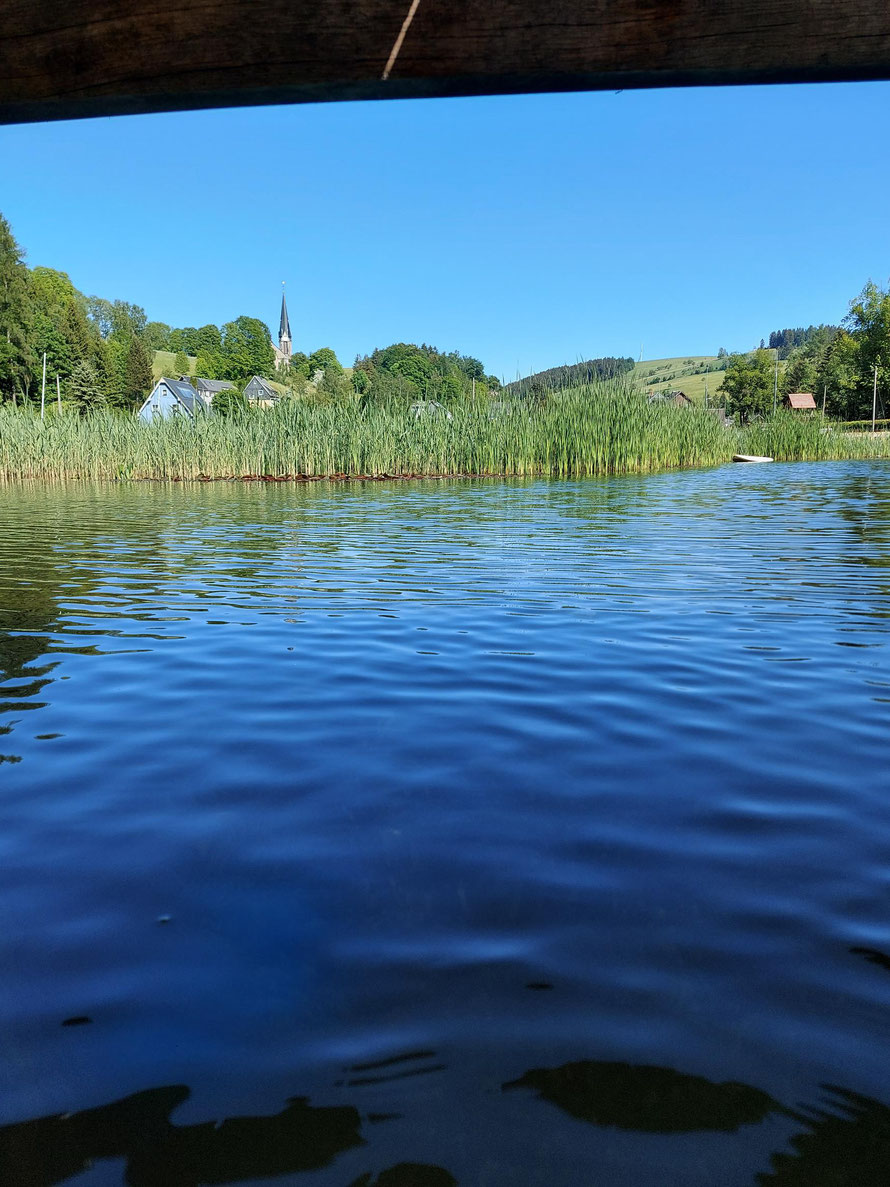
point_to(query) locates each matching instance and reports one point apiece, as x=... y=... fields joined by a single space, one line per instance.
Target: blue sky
x=525 y=230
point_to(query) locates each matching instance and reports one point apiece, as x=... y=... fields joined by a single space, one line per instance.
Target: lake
x=410 y=834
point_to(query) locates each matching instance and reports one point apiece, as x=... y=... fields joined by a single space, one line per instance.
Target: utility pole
x=58 y=394
x=824 y=394
x=776 y=384
x=874 y=401
x=43 y=390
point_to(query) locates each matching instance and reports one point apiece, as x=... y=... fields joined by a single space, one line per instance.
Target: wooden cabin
x=800 y=401
x=678 y=399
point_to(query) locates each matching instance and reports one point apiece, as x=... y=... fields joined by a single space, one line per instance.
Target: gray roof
x=184 y=392
x=214 y=385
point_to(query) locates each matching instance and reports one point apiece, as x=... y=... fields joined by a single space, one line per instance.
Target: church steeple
x=285 y=342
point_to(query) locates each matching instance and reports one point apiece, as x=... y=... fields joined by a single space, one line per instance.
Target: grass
x=163 y=364
x=607 y=428
x=689 y=374
x=686 y=374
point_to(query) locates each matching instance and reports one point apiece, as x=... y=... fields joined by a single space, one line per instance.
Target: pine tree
x=137 y=373
x=84 y=387
x=16 y=352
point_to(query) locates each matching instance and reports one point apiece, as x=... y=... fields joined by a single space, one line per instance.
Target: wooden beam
x=68 y=58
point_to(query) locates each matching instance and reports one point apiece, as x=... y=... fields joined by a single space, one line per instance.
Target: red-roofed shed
x=803 y=401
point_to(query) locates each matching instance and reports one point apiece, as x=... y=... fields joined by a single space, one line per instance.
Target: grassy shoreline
x=606 y=428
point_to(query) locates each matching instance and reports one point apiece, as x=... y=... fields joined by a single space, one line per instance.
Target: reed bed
x=791 y=437
x=605 y=428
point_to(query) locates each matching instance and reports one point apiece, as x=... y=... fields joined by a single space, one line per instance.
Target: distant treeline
x=569 y=375
x=405 y=372
x=787 y=340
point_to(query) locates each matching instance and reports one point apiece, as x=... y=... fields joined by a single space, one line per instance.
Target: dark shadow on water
x=160 y=1154
x=874 y=956
x=845 y=1145
x=408 y=1174
x=646 y=1099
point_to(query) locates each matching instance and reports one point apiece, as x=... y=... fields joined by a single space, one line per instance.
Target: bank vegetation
x=605 y=428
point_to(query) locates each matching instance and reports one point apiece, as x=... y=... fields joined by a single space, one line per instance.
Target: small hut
x=800 y=401
x=678 y=399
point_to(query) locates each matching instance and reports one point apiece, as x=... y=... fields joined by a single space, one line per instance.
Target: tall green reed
x=604 y=428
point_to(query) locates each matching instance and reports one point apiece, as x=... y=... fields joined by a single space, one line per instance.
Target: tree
x=229 y=402
x=84 y=388
x=156 y=336
x=207 y=365
x=246 y=349
x=111 y=368
x=16 y=351
x=207 y=339
x=299 y=364
x=802 y=372
x=137 y=373
x=181 y=363
x=323 y=360
x=748 y=385
x=869 y=324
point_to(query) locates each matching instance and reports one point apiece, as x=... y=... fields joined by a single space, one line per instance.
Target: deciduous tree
x=748 y=385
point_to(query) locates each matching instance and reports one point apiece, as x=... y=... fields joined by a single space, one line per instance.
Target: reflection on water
x=536 y=831
x=647 y=1099
x=158 y=1153
x=847 y=1141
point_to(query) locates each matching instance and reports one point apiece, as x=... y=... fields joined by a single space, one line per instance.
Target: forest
x=846 y=367
x=568 y=375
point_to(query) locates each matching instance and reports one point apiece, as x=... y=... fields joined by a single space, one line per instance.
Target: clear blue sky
x=527 y=231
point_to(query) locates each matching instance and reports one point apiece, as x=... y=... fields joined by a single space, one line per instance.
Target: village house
x=800 y=401
x=208 y=388
x=173 y=397
x=263 y=393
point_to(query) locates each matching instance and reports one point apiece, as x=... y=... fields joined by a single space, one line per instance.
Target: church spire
x=284 y=336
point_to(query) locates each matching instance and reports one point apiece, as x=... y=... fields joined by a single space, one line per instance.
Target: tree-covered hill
x=568 y=375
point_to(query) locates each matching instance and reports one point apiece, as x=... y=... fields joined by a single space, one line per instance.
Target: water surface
x=524 y=833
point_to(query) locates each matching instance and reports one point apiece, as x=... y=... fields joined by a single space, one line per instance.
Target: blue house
x=172 y=397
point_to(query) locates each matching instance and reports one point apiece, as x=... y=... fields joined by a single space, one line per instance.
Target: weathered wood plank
x=65 y=58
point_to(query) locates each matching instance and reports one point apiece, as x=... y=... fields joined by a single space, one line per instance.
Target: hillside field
x=687 y=374
x=162 y=365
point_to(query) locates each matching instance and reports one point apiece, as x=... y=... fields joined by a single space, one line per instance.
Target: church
x=284 y=349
